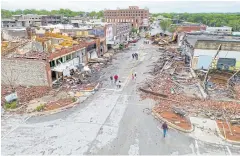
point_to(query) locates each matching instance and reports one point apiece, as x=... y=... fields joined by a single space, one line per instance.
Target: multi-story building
x=121 y=32
x=137 y=17
x=51 y=19
x=31 y=20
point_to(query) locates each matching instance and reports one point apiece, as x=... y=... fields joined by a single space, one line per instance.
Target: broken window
x=52 y=63
x=68 y=57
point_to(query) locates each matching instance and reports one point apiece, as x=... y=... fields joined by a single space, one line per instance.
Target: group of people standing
x=135 y=55
x=116 y=81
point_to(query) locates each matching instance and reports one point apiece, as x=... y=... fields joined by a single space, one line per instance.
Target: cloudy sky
x=153 y=5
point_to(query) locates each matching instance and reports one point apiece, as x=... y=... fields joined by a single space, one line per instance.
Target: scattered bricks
x=26 y=94
x=58 y=104
x=165 y=82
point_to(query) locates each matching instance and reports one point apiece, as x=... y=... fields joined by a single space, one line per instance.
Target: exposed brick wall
x=24 y=72
x=65 y=51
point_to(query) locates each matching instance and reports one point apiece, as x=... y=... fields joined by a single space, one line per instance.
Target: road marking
x=10 y=132
x=134 y=149
x=197 y=147
x=27 y=118
x=230 y=153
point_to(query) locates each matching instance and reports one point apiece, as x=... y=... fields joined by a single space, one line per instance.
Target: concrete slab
x=205 y=130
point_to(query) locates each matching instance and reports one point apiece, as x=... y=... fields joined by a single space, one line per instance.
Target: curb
x=156 y=115
x=54 y=111
x=225 y=139
x=94 y=89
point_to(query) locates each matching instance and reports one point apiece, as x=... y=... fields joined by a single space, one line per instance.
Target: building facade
x=219 y=30
x=30 y=20
x=52 y=19
x=132 y=15
x=121 y=32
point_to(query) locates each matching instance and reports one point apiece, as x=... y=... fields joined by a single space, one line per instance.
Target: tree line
x=210 y=19
x=64 y=12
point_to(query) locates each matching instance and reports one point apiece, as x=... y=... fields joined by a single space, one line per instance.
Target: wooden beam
x=205 y=79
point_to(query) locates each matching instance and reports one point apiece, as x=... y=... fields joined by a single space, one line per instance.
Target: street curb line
x=94 y=89
x=61 y=109
x=225 y=139
x=156 y=115
x=50 y=112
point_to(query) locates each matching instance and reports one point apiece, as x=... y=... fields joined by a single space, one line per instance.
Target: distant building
x=132 y=15
x=190 y=27
x=30 y=20
x=227 y=59
x=220 y=30
x=121 y=32
x=52 y=19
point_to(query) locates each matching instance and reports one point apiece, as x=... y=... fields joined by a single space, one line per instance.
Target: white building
x=219 y=30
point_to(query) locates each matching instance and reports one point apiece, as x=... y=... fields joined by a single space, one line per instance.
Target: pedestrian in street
x=165 y=129
x=135 y=76
x=115 y=78
x=133 y=56
x=118 y=84
x=136 y=55
x=111 y=79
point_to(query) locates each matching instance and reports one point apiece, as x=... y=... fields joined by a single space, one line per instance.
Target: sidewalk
x=205 y=130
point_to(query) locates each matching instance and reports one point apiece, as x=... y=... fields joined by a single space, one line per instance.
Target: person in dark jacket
x=165 y=128
x=133 y=56
x=111 y=79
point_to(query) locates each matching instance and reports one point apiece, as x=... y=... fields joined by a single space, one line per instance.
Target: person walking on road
x=133 y=56
x=111 y=79
x=165 y=129
x=118 y=84
x=135 y=76
x=136 y=55
x=115 y=78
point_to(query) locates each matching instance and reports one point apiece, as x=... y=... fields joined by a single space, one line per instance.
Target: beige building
x=137 y=17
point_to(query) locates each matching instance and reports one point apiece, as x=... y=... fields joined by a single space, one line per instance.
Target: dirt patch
x=231 y=134
x=58 y=104
x=176 y=119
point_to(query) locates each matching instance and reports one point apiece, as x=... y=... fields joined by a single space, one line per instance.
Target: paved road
x=112 y=121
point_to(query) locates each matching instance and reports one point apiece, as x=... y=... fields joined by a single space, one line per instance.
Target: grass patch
x=74 y=99
x=40 y=107
x=11 y=105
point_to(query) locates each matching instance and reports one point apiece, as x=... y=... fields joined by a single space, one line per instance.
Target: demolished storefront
x=228 y=57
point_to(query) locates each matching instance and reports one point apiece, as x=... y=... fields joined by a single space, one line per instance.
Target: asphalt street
x=112 y=121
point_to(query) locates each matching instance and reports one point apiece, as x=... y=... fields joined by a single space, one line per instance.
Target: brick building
x=132 y=15
x=40 y=68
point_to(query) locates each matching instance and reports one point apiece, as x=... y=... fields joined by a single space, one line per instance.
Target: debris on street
x=179 y=92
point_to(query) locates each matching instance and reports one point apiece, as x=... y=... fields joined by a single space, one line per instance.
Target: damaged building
x=41 y=63
x=228 y=57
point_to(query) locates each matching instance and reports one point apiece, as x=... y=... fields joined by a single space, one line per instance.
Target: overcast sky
x=153 y=5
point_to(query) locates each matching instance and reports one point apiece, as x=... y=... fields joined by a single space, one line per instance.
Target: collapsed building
x=228 y=57
x=46 y=60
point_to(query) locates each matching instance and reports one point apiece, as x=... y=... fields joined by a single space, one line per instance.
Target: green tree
x=165 y=25
x=172 y=28
x=134 y=30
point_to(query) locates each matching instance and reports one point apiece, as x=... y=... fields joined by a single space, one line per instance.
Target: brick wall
x=24 y=72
